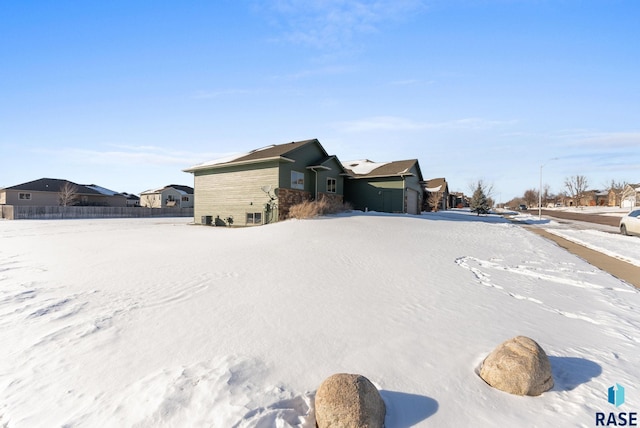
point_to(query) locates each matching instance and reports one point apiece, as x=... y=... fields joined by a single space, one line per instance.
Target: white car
x=630 y=224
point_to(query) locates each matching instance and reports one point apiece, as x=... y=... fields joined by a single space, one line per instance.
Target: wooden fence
x=18 y=212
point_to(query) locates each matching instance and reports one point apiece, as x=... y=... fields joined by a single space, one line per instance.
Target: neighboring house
x=132 y=200
x=171 y=196
x=614 y=197
x=459 y=200
x=600 y=198
x=111 y=197
x=393 y=187
x=592 y=198
x=259 y=187
x=49 y=192
x=630 y=196
x=437 y=195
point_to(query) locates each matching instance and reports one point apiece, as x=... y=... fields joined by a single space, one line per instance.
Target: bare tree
x=530 y=197
x=431 y=201
x=546 y=193
x=150 y=200
x=616 y=186
x=68 y=194
x=576 y=186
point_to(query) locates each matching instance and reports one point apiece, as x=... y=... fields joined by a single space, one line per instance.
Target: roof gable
x=436 y=185
x=324 y=163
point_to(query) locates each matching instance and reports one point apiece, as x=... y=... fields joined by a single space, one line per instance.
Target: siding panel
x=233 y=192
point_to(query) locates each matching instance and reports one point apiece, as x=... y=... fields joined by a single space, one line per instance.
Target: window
x=331 y=185
x=24 y=196
x=297 y=180
x=254 y=218
x=185 y=199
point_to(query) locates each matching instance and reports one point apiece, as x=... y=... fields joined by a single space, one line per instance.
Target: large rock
x=349 y=400
x=518 y=366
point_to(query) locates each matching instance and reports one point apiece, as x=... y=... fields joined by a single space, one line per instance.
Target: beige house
x=630 y=196
x=171 y=196
x=54 y=192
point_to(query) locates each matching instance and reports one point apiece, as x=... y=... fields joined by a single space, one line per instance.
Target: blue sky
x=126 y=94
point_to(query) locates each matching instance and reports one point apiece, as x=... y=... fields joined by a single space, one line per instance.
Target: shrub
x=310 y=209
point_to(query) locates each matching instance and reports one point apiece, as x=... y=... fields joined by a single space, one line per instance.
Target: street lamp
x=540 y=189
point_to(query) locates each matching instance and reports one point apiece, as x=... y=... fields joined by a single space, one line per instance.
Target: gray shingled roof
x=269 y=152
x=186 y=189
x=273 y=151
x=433 y=183
x=52 y=185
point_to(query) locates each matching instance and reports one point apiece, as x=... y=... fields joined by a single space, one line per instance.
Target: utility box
x=206 y=220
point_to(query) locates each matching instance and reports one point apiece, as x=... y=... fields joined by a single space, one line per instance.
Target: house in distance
x=171 y=196
x=54 y=192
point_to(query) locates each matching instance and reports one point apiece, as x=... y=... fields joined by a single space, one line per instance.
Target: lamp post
x=540 y=189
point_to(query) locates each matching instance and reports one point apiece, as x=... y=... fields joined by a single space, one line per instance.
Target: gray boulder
x=518 y=366
x=349 y=400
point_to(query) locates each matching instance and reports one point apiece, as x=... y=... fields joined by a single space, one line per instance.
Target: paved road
x=590 y=218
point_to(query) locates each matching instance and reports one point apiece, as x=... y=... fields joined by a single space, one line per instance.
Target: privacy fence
x=17 y=212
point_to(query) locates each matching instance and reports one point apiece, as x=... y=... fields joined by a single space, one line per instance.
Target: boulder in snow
x=349 y=400
x=518 y=366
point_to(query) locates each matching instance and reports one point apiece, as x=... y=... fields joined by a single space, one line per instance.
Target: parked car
x=630 y=224
x=522 y=207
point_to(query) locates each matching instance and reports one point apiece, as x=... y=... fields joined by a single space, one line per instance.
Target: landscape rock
x=349 y=400
x=518 y=366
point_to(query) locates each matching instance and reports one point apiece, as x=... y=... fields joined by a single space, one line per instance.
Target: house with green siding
x=260 y=186
x=392 y=187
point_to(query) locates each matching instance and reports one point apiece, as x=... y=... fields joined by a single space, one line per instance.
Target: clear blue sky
x=126 y=94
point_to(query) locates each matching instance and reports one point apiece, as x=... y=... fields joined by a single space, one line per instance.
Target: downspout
x=316 y=195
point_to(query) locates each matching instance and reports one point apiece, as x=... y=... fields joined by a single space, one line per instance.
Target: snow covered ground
x=604 y=239
x=155 y=322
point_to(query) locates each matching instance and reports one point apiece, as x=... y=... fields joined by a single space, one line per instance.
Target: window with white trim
x=254 y=218
x=24 y=196
x=297 y=180
x=331 y=185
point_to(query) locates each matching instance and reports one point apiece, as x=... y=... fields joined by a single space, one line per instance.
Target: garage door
x=412 y=202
